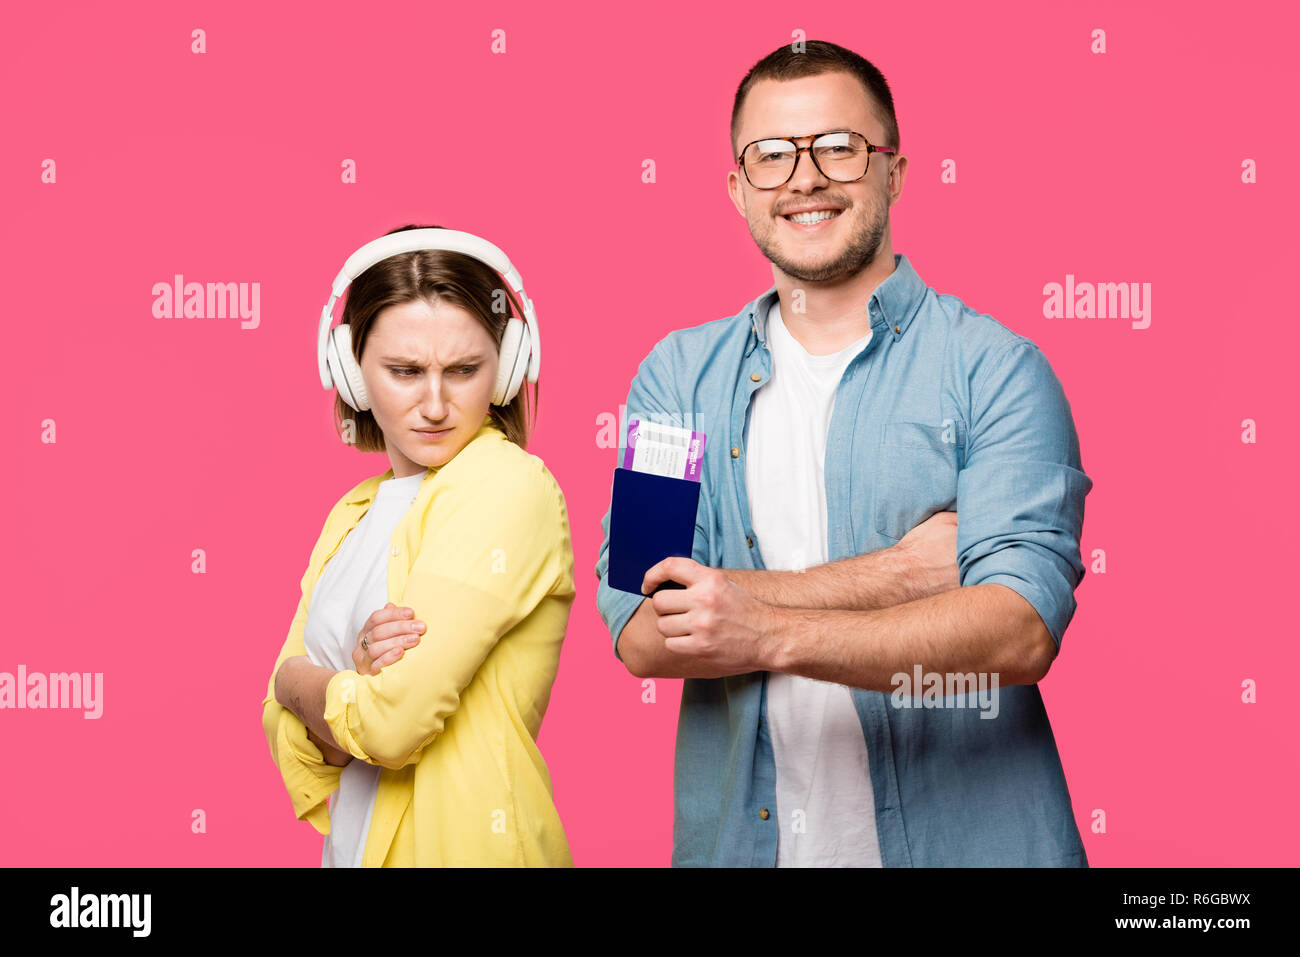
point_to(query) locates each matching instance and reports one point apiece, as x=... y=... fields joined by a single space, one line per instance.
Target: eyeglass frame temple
x=740 y=160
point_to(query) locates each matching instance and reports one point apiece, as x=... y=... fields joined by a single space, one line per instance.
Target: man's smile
x=811 y=221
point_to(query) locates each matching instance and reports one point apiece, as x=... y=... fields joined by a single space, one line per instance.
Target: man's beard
x=861 y=249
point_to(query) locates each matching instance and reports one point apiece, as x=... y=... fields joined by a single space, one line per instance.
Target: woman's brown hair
x=432 y=275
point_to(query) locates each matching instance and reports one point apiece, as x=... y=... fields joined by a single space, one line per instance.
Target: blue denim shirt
x=943 y=409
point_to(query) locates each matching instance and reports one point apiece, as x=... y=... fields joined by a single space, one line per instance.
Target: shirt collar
x=896 y=297
x=365 y=492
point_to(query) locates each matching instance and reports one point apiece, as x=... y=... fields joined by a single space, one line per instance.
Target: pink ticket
x=664 y=450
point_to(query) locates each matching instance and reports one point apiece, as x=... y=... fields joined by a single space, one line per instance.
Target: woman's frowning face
x=429 y=370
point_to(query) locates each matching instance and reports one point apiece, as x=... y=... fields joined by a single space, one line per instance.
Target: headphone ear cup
x=508 y=362
x=344 y=369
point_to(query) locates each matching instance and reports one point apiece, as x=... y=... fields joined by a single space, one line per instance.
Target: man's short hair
x=817 y=57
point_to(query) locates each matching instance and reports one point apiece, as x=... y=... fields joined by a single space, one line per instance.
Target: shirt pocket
x=916 y=476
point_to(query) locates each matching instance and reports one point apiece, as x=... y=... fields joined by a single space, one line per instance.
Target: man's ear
x=736 y=191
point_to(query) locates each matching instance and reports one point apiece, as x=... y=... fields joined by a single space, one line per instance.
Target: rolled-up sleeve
x=1021 y=491
x=491 y=550
x=651 y=394
x=308 y=778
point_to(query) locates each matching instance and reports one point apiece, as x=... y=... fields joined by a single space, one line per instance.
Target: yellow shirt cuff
x=309 y=778
x=340 y=692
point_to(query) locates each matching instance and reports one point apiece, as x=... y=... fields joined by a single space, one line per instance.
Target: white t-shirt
x=826 y=809
x=352 y=586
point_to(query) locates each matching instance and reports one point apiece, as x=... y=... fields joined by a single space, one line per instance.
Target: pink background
x=176 y=434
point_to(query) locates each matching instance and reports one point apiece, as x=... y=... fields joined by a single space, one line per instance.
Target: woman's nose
x=434 y=403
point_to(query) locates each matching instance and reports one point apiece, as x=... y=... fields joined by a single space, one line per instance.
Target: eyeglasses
x=840 y=155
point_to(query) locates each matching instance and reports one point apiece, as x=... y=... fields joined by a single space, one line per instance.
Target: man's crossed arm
x=858 y=621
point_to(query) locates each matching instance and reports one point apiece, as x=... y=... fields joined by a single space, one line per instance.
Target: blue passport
x=651 y=517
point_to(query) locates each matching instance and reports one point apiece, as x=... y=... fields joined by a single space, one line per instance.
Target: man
x=849 y=411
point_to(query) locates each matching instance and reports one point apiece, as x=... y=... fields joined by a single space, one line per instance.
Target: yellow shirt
x=485 y=560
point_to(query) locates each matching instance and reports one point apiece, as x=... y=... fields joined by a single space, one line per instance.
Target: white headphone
x=521 y=347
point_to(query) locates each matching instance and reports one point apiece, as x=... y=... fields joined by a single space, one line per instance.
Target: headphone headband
x=414 y=240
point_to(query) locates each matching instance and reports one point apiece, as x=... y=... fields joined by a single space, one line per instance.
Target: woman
x=420 y=661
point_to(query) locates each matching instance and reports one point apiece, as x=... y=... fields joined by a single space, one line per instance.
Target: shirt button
x=735 y=452
x=896 y=329
x=764 y=814
x=751 y=542
x=755 y=377
x=394 y=551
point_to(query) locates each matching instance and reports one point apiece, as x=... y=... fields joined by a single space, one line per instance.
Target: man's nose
x=806 y=175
